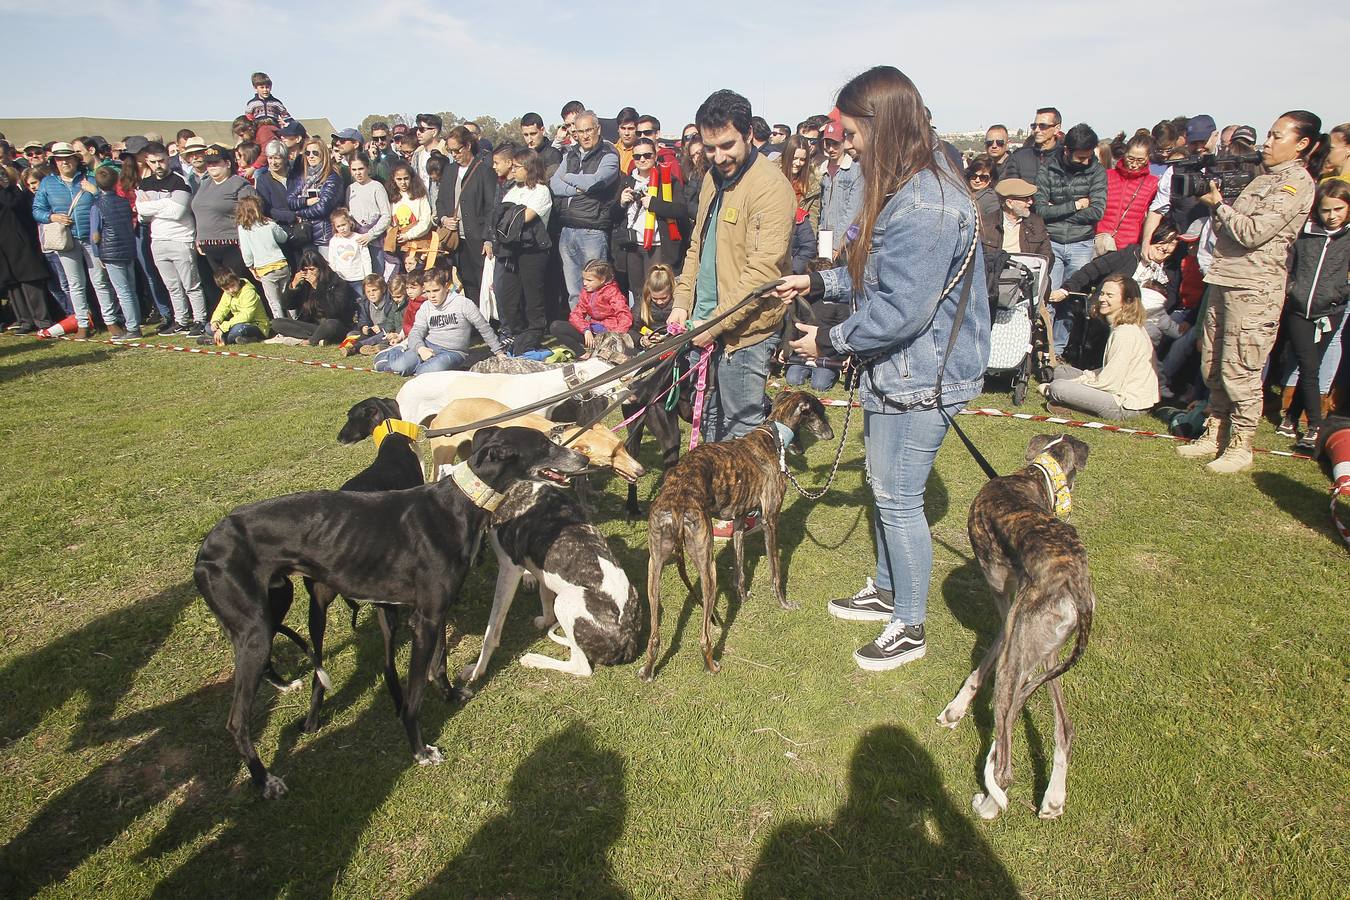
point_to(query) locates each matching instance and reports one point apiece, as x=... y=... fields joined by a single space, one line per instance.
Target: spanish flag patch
x=1289 y=189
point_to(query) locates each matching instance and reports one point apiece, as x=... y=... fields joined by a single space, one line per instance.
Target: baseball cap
x=136 y=143
x=1200 y=128
x=293 y=128
x=1244 y=133
x=348 y=134
x=216 y=153
x=833 y=131
x=1016 y=188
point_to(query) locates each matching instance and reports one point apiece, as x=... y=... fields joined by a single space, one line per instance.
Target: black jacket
x=477 y=196
x=1026 y=161
x=1034 y=239
x=1118 y=262
x=20 y=259
x=332 y=299
x=1318 y=262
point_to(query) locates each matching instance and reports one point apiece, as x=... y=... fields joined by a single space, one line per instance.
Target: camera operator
x=1246 y=287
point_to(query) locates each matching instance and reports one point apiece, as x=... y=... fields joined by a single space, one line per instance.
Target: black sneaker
x=171 y=328
x=896 y=645
x=871 y=604
x=1307 y=443
x=1287 y=428
x=196 y=329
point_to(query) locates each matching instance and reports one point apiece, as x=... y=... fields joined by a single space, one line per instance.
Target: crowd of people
x=415 y=242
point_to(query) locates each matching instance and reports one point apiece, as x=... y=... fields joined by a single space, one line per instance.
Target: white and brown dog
x=1037 y=567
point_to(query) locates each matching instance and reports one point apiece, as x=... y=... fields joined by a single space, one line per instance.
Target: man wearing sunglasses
x=382 y=155
x=1026 y=162
x=428 y=138
x=34 y=154
x=996 y=147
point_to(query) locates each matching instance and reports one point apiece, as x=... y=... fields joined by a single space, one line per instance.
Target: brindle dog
x=726 y=479
x=1038 y=569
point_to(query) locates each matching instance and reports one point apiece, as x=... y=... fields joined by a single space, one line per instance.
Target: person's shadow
x=1297 y=500
x=897 y=835
x=566 y=807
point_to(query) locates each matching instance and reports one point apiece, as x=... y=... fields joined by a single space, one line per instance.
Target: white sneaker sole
x=856 y=615
x=894 y=662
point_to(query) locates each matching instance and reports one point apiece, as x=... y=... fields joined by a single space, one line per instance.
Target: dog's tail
x=1085 y=601
x=279 y=597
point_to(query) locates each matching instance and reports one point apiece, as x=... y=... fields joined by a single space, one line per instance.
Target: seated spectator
x=1127 y=383
x=260 y=244
x=378 y=315
x=322 y=302
x=1015 y=228
x=980 y=179
x=317 y=193
x=439 y=338
x=654 y=307
x=239 y=317
x=600 y=307
x=1130 y=189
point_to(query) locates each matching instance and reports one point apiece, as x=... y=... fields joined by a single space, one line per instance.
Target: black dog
x=410 y=548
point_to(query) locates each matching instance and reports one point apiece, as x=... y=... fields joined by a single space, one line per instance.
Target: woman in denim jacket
x=920 y=224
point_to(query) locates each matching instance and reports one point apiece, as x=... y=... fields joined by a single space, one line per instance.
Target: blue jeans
x=159 y=294
x=738 y=404
x=123 y=278
x=822 y=379
x=408 y=362
x=1069 y=258
x=57 y=284
x=243 y=330
x=578 y=246
x=900 y=450
x=73 y=261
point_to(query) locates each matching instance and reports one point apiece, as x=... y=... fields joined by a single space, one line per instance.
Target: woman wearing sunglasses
x=980 y=180
x=318 y=193
x=653 y=217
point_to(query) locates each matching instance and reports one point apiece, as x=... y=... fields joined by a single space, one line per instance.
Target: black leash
x=638 y=362
x=951 y=344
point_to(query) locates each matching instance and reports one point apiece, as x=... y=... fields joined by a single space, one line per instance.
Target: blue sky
x=1109 y=64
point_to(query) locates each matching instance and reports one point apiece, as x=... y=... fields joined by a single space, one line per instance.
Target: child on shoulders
x=263 y=103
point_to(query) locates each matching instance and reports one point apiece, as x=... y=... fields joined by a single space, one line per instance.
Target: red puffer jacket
x=608 y=306
x=1128 y=194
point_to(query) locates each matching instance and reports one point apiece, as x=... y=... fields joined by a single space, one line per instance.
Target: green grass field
x=1210 y=705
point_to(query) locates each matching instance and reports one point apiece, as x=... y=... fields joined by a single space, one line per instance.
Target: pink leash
x=700 y=389
x=659 y=397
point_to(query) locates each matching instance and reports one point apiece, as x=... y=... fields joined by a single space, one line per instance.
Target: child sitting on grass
x=601 y=307
x=439 y=338
x=239 y=317
x=378 y=317
x=655 y=306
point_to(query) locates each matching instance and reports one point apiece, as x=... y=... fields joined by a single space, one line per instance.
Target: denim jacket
x=903 y=320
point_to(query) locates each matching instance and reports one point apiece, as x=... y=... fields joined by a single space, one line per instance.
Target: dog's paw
x=951 y=716
x=1051 y=810
x=429 y=756
x=529 y=582
x=789 y=604
x=273 y=788
x=462 y=692
x=985 y=806
x=468 y=673
x=545 y=622
x=646 y=674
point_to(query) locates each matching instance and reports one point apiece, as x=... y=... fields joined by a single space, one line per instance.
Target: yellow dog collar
x=479 y=492
x=1058 y=483
x=410 y=430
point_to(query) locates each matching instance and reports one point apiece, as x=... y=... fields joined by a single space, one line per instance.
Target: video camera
x=1191 y=177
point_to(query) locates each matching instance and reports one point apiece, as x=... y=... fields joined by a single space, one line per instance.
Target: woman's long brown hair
x=898 y=145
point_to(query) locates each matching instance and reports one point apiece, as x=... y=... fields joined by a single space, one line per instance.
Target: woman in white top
x=410 y=213
x=520 y=246
x=368 y=205
x=1127 y=383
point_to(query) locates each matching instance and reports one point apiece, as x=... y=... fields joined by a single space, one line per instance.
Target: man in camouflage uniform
x=1245 y=295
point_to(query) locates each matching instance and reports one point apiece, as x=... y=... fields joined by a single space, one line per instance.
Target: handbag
x=1105 y=242
x=55 y=236
x=300 y=233
x=450 y=236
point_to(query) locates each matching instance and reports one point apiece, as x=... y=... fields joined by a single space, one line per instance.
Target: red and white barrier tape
x=1341 y=487
x=211 y=351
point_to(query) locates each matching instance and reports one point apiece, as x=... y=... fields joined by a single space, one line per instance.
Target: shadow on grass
x=897 y=835
x=15 y=347
x=32 y=366
x=1299 y=501
x=99 y=660
x=566 y=807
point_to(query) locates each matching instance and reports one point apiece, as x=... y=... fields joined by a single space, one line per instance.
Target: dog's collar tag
x=410 y=430
x=785 y=436
x=479 y=492
x=1058 y=483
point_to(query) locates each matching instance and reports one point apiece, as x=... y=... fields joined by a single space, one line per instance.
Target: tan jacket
x=755 y=226
x=1128 y=373
x=1252 y=237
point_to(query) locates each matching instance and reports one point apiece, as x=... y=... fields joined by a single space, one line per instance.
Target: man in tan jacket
x=740 y=241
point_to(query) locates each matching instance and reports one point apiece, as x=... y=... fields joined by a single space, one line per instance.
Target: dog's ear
x=388 y=408
x=482 y=437
x=1080 y=454
x=1037 y=445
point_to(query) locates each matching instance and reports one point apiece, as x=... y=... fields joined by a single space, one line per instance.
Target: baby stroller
x=1019 y=336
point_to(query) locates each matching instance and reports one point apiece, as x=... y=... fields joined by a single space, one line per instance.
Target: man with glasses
x=996 y=147
x=382 y=155
x=34 y=154
x=585 y=189
x=428 y=138
x=1026 y=162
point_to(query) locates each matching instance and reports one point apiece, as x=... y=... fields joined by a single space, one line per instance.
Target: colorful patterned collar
x=1057 y=483
x=479 y=492
x=410 y=430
